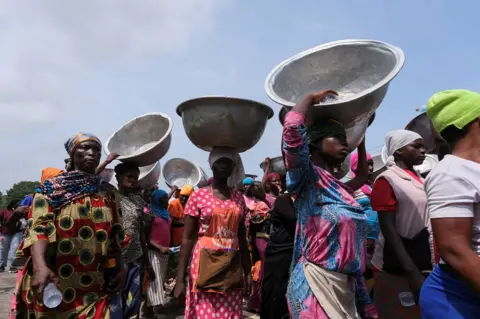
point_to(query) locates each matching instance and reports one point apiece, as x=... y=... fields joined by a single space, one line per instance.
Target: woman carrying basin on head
x=215 y=232
x=330 y=239
x=74 y=233
x=404 y=248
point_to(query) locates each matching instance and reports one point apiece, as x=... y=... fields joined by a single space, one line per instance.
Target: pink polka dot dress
x=203 y=304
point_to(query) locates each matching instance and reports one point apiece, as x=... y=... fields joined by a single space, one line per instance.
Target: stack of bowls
x=143 y=141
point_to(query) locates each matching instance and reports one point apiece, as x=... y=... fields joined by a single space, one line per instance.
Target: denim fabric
x=8 y=247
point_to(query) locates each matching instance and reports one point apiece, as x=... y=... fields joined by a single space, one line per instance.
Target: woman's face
x=222 y=168
x=275 y=185
x=413 y=153
x=332 y=150
x=129 y=180
x=87 y=156
x=183 y=199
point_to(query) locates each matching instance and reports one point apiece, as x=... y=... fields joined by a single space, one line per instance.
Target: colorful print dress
x=81 y=236
x=201 y=304
x=331 y=228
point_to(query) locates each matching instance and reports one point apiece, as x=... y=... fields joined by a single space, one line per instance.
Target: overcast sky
x=68 y=66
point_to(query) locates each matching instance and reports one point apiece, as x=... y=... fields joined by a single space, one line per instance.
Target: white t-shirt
x=453 y=191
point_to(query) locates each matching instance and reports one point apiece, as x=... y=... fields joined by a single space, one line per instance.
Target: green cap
x=453 y=107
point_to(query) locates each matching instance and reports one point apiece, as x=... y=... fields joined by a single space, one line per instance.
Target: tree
x=18 y=192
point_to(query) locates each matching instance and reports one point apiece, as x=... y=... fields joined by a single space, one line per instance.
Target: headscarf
x=186 y=190
x=50 y=172
x=67 y=187
x=366 y=189
x=453 y=107
x=248 y=181
x=394 y=141
x=238 y=173
x=324 y=128
x=72 y=143
x=157 y=209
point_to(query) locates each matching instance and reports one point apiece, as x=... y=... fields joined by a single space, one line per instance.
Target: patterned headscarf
x=67 y=187
x=72 y=143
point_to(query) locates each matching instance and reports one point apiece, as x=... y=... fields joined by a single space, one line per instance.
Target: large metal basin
x=423 y=126
x=180 y=172
x=149 y=175
x=276 y=165
x=359 y=70
x=224 y=121
x=143 y=140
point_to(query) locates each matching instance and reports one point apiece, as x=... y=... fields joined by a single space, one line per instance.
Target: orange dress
x=176 y=211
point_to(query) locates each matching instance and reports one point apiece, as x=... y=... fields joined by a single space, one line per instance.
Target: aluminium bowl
x=180 y=172
x=149 y=175
x=276 y=165
x=422 y=125
x=219 y=121
x=359 y=70
x=142 y=141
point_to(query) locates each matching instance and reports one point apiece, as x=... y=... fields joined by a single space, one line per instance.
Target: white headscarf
x=238 y=173
x=394 y=141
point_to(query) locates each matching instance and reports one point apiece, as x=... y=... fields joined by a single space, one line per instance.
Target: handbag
x=219 y=270
x=418 y=248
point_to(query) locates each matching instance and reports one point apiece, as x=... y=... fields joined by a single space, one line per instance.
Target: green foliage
x=17 y=192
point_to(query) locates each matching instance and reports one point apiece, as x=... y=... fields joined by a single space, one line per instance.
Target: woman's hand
x=42 y=276
x=111 y=157
x=415 y=281
x=249 y=289
x=179 y=290
x=116 y=283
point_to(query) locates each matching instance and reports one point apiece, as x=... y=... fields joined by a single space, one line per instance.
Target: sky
x=70 y=66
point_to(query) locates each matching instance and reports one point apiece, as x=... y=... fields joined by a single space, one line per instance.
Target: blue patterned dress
x=331 y=228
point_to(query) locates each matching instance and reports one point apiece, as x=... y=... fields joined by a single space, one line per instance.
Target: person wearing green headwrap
x=452 y=290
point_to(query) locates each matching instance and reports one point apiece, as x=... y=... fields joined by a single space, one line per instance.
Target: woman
x=73 y=231
x=278 y=258
x=331 y=229
x=131 y=207
x=452 y=290
x=258 y=228
x=176 y=210
x=215 y=216
x=159 y=249
x=273 y=187
x=404 y=248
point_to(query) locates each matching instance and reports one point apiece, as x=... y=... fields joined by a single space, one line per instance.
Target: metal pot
x=224 y=121
x=149 y=175
x=359 y=70
x=422 y=125
x=143 y=140
x=180 y=172
x=276 y=165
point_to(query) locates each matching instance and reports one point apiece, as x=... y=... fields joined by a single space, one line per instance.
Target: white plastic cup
x=52 y=297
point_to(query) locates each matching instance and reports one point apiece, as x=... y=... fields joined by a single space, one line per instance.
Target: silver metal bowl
x=204 y=178
x=359 y=70
x=253 y=176
x=276 y=165
x=180 y=172
x=149 y=175
x=422 y=125
x=143 y=140
x=224 y=121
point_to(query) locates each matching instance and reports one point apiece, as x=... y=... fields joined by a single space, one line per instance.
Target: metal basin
x=359 y=70
x=422 y=125
x=253 y=176
x=276 y=165
x=143 y=140
x=204 y=178
x=224 y=121
x=180 y=172
x=149 y=175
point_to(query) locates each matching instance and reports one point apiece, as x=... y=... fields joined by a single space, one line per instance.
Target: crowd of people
x=297 y=244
